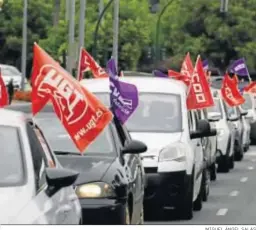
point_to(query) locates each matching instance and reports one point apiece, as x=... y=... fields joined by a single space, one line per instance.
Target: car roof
x=27 y=108
x=143 y=84
x=12 y=118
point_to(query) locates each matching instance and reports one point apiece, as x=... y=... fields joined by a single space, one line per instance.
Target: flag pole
x=248 y=74
x=79 y=64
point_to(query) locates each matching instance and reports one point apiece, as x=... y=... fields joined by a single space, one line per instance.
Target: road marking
x=250 y=167
x=244 y=179
x=234 y=193
x=222 y=212
x=253 y=160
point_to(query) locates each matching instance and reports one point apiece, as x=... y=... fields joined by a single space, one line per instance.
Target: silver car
x=34 y=188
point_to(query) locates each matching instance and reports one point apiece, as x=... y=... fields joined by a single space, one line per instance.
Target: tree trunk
x=56 y=13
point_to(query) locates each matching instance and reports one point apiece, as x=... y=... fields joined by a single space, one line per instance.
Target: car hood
x=90 y=168
x=157 y=140
x=12 y=201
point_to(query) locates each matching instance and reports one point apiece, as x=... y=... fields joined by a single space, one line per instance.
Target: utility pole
x=24 y=44
x=115 y=31
x=71 y=34
x=223 y=6
x=67 y=10
x=81 y=24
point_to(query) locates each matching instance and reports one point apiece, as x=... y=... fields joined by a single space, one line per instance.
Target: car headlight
x=174 y=152
x=95 y=190
x=220 y=132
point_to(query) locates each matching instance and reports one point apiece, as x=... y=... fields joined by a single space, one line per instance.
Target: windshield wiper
x=66 y=153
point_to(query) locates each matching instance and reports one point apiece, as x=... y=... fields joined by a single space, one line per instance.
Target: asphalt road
x=232 y=198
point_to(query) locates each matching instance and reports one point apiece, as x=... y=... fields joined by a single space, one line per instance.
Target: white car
x=10 y=72
x=34 y=188
x=225 y=133
x=174 y=161
x=247 y=130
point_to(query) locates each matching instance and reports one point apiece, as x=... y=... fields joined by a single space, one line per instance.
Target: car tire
x=232 y=162
x=198 y=204
x=213 y=172
x=239 y=154
x=185 y=208
x=223 y=165
x=206 y=184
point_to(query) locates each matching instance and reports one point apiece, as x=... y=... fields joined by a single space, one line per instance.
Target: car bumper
x=165 y=189
x=102 y=211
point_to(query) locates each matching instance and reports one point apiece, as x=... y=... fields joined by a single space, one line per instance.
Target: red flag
x=81 y=113
x=87 y=63
x=187 y=68
x=3 y=92
x=230 y=92
x=178 y=76
x=250 y=88
x=200 y=95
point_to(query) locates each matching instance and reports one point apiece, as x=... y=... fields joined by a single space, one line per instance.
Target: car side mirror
x=135 y=147
x=59 y=178
x=196 y=134
x=204 y=127
x=244 y=113
x=214 y=116
x=233 y=118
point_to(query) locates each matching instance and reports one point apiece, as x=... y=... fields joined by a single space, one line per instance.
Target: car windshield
x=11 y=164
x=248 y=102
x=156 y=112
x=60 y=140
x=216 y=108
x=9 y=71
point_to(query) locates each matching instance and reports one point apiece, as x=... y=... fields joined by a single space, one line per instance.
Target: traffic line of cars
x=163 y=157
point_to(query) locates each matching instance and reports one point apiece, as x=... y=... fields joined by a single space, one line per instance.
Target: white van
x=174 y=161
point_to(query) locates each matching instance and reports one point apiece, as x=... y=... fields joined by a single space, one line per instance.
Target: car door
x=198 y=150
x=69 y=202
x=53 y=210
x=133 y=168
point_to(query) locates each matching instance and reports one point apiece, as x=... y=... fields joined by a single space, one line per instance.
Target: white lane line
x=250 y=167
x=234 y=193
x=244 y=179
x=222 y=212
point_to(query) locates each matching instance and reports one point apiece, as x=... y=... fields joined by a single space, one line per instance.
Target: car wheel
x=213 y=172
x=185 y=209
x=232 y=162
x=239 y=154
x=198 y=204
x=206 y=184
x=223 y=165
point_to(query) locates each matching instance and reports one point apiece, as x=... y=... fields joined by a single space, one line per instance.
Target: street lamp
x=94 y=49
x=157 y=30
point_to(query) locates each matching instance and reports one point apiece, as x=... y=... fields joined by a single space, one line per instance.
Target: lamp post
x=158 y=29
x=223 y=6
x=95 y=37
x=116 y=32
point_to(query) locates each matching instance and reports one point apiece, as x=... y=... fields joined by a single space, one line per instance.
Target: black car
x=110 y=185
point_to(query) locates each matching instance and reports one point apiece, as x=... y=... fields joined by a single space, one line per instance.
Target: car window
x=60 y=140
x=156 y=112
x=38 y=157
x=44 y=144
x=190 y=122
x=216 y=108
x=12 y=171
x=248 y=104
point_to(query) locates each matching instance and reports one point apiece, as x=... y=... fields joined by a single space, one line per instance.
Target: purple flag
x=158 y=73
x=123 y=96
x=239 y=67
x=205 y=65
